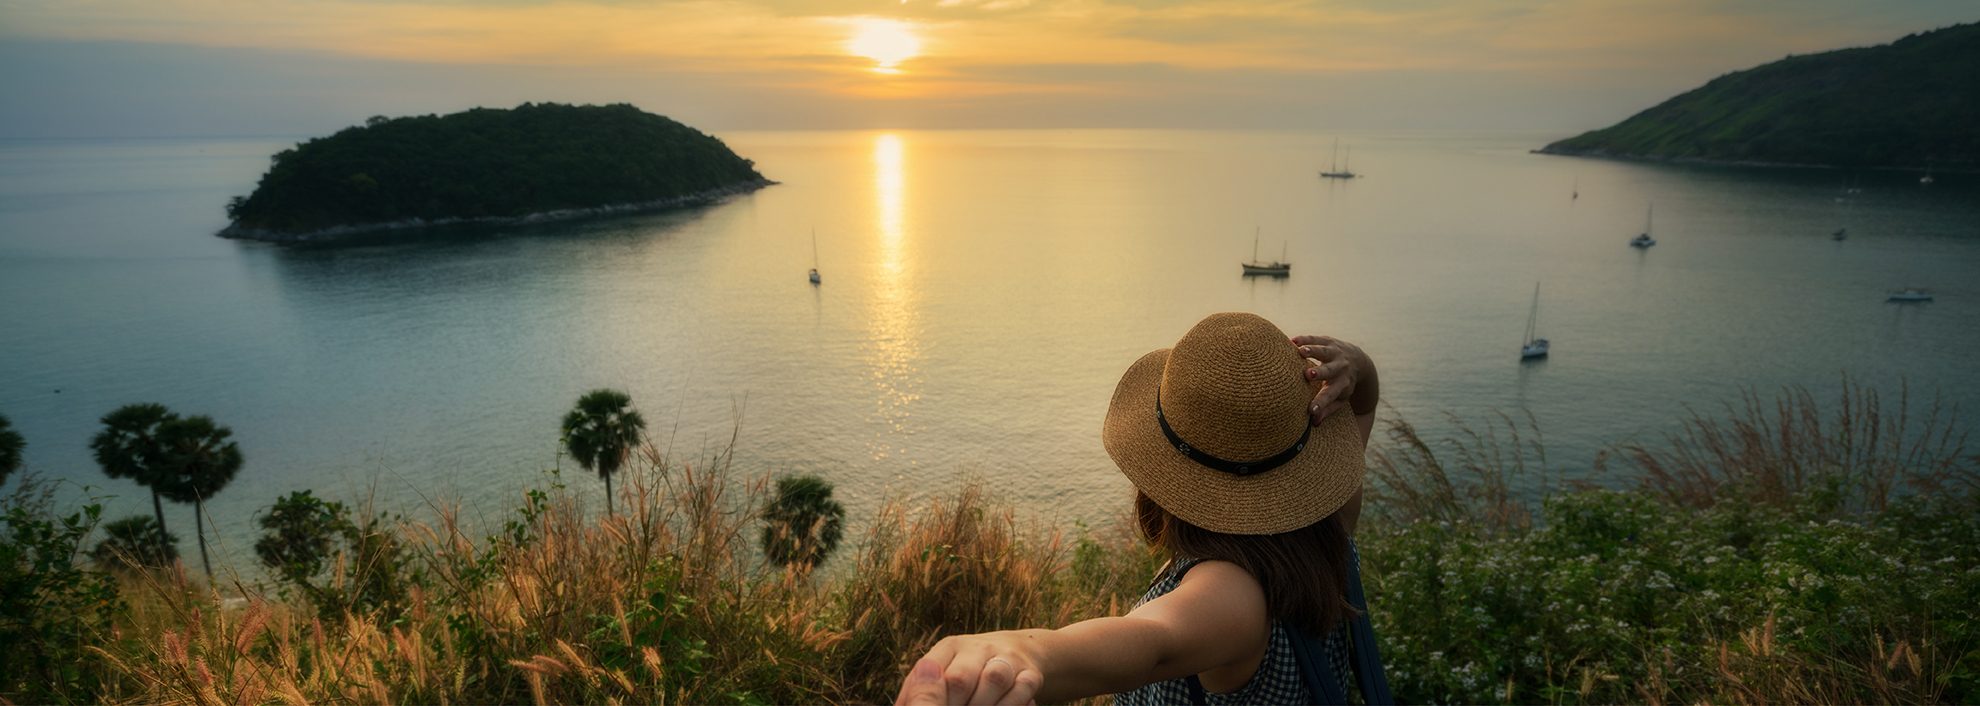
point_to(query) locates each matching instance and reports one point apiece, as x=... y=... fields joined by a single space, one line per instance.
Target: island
x=1911 y=104
x=537 y=161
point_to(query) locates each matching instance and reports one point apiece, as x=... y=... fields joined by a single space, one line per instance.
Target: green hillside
x=1914 y=103
x=486 y=163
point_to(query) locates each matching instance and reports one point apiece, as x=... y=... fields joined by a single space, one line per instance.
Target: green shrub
x=135 y=542
x=53 y=608
x=314 y=547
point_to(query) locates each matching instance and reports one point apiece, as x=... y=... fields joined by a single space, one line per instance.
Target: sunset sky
x=76 y=68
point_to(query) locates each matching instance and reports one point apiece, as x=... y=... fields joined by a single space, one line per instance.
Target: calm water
x=982 y=292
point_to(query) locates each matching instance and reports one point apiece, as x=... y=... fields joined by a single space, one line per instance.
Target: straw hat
x=1216 y=431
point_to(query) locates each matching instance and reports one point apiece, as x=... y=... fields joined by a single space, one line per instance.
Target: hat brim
x=1313 y=485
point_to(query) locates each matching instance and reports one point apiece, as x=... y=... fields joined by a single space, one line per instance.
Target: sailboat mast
x=1533 y=315
x=1334 y=164
x=814 y=248
x=1282 y=253
x=1254 y=244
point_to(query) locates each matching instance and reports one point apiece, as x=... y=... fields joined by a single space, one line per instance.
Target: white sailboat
x=814 y=257
x=1644 y=240
x=1533 y=347
x=1338 y=169
x=1275 y=268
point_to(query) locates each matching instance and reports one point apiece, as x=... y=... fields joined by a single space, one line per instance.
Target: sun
x=886 y=42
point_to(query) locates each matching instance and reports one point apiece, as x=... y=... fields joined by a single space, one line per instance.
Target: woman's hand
x=1347 y=374
x=991 y=668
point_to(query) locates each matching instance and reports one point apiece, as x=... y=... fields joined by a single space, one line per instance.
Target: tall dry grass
x=1855 y=456
x=964 y=565
x=1481 y=478
x=666 y=601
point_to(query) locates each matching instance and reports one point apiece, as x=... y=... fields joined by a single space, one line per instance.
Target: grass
x=1780 y=553
x=665 y=602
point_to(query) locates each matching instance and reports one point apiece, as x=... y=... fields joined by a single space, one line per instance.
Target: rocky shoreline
x=1708 y=161
x=235 y=231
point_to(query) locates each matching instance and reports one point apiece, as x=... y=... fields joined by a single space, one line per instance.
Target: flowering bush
x=1620 y=597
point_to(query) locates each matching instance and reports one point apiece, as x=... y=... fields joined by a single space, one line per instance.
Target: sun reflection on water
x=893 y=345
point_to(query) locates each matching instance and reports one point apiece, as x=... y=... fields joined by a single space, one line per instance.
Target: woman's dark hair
x=1304 y=572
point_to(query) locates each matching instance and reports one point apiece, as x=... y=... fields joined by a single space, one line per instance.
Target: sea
x=982 y=292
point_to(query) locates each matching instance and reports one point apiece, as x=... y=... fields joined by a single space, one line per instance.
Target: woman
x=1248 y=473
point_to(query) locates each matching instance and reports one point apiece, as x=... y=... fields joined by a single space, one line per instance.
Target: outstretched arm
x=1215 y=617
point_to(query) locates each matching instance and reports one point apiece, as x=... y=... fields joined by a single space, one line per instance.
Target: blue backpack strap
x=1317 y=672
x=1368 y=672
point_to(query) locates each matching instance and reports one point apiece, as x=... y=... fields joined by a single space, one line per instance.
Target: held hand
x=1340 y=366
x=923 y=686
x=978 y=670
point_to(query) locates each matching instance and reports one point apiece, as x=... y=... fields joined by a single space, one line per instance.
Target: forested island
x=1911 y=104
x=535 y=161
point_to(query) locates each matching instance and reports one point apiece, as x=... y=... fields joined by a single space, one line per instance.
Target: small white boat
x=1926 y=180
x=1339 y=169
x=1910 y=294
x=1533 y=347
x=1275 y=268
x=1643 y=240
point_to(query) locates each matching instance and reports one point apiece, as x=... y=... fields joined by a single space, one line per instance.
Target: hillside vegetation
x=1914 y=103
x=486 y=163
x=1782 y=552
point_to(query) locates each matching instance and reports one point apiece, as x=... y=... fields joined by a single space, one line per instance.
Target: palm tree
x=201 y=461
x=803 y=523
x=600 y=433
x=128 y=448
x=11 y=445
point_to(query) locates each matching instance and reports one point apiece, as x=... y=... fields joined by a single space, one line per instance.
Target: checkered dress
x=1277 y=679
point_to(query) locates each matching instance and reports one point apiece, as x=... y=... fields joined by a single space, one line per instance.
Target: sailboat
x=814 y=256
x=1644 y=240
x=1275 y=268
x=1339 y=169
x=1574 y=193
x=1533 y=347
x=1909 y=294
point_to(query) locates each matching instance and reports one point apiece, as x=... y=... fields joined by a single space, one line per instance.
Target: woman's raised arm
x=1350 y=380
